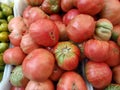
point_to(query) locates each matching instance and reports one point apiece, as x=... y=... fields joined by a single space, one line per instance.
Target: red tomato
x=111 y=11
x=115 y=32
x=91 y=7
x=32 y=14
x=15 y=38
x=96 y=50
x=71 y=81
x=44 y=32
x=34 y=2
x=14 y=56
x=17 y=88
x=27 y=44
x=62 y=31
x=114 y=54
x=70 y=15
x=66 y=5
x=38 y=65
x=98 y=74
x=55 y=17
x=45 y=85
x=116 y=74
x=81 y=28
x=56 y=74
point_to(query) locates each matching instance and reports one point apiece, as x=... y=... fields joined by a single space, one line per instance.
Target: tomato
x=111 y=11
x=38 y=65
x=45 y=85
x=67 y=55
x=70 y=15
x=34 y=2
x=51 y=6
x=55 y=17
x=27 y=44
x=115 y=32
x=98 y=74
x=17 y=24
x=103 y=30
x=62 y=31
x=81 y=28
x=114 y=54
x=15 y=38
x=44 y=32
x=116 y=74
x=17 y=88
x=17 y=77
x=96 y=50
x=14 y=56
x=91 y=7
x=32 y=14
x=71 y=81
x=66 y=5
x=57 y=72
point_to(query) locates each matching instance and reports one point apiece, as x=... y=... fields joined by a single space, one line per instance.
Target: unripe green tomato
x=1 y=15
x=1 y=59
x=3 y=46
x=7 y=11
x=9 y=18
x=4 y=36
x=3 y=27
x=3 y=21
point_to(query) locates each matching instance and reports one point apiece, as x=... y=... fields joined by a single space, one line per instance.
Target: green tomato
x=3 y=27
x=113 y=87
x=1 y=59
x=3 y=21
x=4 y=37
x=11 y=4
x=10 y=17
x=1 y=15
x=7 y=11
x=3 y=5
x=3 y=46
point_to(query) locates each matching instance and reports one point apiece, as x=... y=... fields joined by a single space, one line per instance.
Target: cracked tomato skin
x=67 y=55
x=71 y=81
x=44 y=32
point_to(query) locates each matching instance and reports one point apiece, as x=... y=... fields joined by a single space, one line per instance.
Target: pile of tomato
x=52 y=37
x=6 y=14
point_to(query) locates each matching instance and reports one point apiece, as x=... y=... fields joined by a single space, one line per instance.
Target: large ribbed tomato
x=71 y=81
x=81 y=28
x=96 y=50
x=98 y=74
x=38 y=65
x=44 y=32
